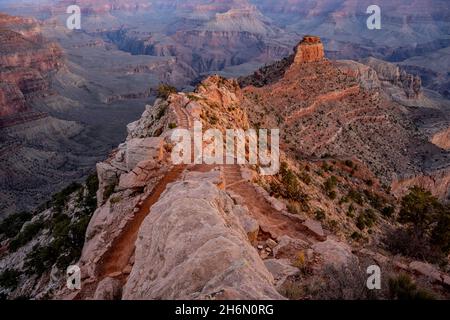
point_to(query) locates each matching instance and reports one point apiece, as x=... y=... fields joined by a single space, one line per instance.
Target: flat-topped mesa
x=310 y=49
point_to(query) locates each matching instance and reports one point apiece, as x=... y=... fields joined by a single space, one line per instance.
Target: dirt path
x=122 y=249
x=270 y=220
x=117 y=258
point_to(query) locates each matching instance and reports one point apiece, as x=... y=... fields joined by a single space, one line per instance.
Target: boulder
x=429 y=271
x=138 y=150
x=108 y=289
x=337 y=254
x=314 y=227
x=288 y=247
x=140 y=176
x=280 y=269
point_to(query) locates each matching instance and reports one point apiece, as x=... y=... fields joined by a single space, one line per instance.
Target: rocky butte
x=310 y=49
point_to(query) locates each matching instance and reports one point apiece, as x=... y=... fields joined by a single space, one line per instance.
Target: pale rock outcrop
x=314 y=227
x=140 y=175
x=138 y=150
x=390 y=73
x=367 y=76
x=430 y=272
x=192 y=246
x=337 y=254
x=289 y=247
x=280 y=269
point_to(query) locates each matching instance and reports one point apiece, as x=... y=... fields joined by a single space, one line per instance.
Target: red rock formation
x=310 y=49
x=11 y=99
x=26 y=60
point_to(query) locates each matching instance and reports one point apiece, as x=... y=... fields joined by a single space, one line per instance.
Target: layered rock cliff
x=26 y=60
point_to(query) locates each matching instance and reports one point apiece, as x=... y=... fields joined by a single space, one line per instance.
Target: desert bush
x=28 y=233
x=165 y=90
x=12 y=225
x=60 y=199
x=388 y=211
x=342 y=283
x=375 y=200
x=320 y=215
x=403 y=288
x=349 y=163
x=366 y=219
x=109 y=190
x=427 y=225
x=440 y=235
x=290 y=185
x=305 y=177
x=9 y=279
x=356 y=196
x=293 y=290
x=90 y=200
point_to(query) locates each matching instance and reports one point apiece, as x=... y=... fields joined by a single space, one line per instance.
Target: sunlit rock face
x=310 y=49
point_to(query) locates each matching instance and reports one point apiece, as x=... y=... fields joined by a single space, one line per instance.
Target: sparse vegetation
x=68 y=235
x=109 y=190
x=165 y=90
x=356 y=196
x=59 y=200
x=12 y=225
x=403 y=288
x=289 y=188
x=320 y=215
x=28 y=233
x=9 y=279
x=366 y=219
x=426 y=227
x=329 y=186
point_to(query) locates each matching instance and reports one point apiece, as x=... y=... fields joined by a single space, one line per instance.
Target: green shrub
x=356 y=196
x=349 y=163
x=291 y=185
x=366 y=219
x=329 y=186
x=356 y=236
x=90 y=201
x=306 y=178
x=115 y=200
x=351 y=211
x=41 y=259
x=68 y=241
x=109 y=190
x=388 y=211
x=440 y=235
x=12 y=225
x=28 y=233
x=172 y=125
x=9 y=279
x=375 y=200
x=60 y=199
x=403 y=288
x=419 y=210
x=165 y=90
x=161 y=112
x=320 y=215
